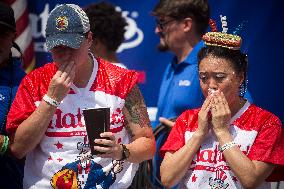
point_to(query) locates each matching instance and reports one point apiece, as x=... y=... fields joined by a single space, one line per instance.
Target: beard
x=162 y=46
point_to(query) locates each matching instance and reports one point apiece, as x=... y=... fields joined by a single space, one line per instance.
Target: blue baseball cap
x=67 y=25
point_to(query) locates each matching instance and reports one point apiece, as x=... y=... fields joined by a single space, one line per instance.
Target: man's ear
x=187 y=23
x=90 y=38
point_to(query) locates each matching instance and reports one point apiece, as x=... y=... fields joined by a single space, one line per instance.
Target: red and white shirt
x=257 y=133
x=65 y=141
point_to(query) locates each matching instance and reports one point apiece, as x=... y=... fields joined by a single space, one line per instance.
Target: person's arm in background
x=166 y=122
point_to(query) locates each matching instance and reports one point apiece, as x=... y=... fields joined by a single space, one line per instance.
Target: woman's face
x=219 y=74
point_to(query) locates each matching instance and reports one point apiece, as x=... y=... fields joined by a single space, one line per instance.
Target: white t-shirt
x=256 y=132
x=63 y=158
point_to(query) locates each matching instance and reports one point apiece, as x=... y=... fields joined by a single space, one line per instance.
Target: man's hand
x=60 y=83
x=166 y=122
x=111 y=148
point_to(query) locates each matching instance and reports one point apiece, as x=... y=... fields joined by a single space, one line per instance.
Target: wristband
x=50 y=101
x=5 y=145
x=227 y=146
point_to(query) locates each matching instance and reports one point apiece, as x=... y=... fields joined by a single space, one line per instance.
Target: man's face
x=161 y=25
x=168 y=29
x=64 y=55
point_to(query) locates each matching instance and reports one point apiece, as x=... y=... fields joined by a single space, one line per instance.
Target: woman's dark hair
x=107 y=24
x=236 y=57
x=198 y=10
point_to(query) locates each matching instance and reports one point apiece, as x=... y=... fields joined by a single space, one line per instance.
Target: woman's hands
x=215 y=112
x=204 y=117
x=221 y=113
x=111 y=148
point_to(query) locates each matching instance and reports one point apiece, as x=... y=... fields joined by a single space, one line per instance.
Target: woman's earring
x=243 y=88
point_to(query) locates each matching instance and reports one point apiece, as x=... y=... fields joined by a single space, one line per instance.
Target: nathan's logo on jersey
x=66 y=120
x=61 y=123
x=212 y=156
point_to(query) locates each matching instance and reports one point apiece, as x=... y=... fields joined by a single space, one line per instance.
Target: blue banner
x=262 y=41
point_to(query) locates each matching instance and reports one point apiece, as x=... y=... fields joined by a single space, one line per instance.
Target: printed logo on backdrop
x=133 y=35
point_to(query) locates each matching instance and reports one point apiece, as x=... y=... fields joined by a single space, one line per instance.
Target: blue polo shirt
x=180 y=88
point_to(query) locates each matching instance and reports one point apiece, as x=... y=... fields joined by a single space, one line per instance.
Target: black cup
x=97 y=121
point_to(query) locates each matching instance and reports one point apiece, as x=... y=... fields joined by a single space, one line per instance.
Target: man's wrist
x=125 y=153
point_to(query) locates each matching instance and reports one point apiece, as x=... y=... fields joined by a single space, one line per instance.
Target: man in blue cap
x=46 y=117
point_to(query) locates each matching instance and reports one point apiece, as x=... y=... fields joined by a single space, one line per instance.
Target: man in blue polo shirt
x=180 y=26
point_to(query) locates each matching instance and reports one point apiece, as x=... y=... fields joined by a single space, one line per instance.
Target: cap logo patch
x=61 y=23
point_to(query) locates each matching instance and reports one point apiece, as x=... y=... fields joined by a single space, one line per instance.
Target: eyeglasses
x=162 y=23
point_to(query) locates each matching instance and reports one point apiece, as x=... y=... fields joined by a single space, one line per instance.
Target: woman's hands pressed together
x=214 y=113
x=221 y=113
x=204 y=118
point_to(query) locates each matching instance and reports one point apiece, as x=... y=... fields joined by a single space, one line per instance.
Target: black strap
x=17 y=47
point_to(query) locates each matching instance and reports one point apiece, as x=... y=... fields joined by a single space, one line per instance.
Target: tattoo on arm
x=128 y=129
x=136 y=107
